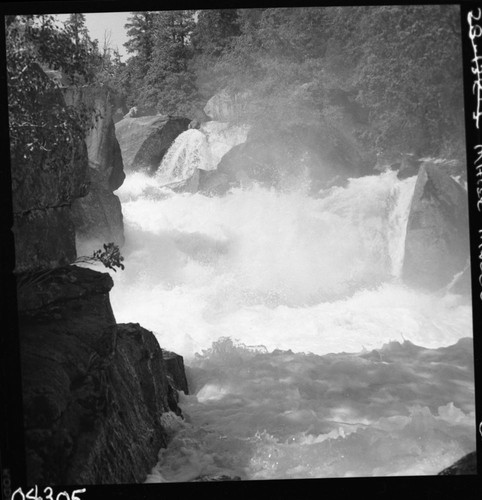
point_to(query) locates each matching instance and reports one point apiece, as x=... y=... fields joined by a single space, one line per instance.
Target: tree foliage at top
x=404 y=64
x=389 y=75
x=169 y=82
x=401 y=64
x=40 y=121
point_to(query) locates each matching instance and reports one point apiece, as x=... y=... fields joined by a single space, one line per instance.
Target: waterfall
x=259 y=264
x=198 y=149
x=397 y=223
x=292 y=320
x=189 y=151
x=222 y=136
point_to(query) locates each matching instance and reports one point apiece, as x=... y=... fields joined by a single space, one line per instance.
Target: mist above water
x=257 y=289
x=278 y=268
x=198 y=149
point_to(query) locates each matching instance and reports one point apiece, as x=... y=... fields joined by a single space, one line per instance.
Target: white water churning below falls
x=257 y=290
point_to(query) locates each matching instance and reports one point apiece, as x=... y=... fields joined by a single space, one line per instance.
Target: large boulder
x=145 y=140
x=279 y=159
x=227 y=107
x=437 y=240
x=42 y=195
x=98 y=216
x=93 y=392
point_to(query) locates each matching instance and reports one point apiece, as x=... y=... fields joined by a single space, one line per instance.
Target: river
x=306 y=354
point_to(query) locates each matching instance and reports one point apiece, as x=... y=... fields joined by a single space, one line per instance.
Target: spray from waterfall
x=296 y=277
x=198 y=150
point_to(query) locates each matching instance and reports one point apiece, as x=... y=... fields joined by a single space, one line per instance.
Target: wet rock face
x=437 y=241
x=175 y=371
x=93 y=391
x=145 y=140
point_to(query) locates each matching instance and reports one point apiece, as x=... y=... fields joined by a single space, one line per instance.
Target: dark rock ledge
x=466 y=465
x=94 y=391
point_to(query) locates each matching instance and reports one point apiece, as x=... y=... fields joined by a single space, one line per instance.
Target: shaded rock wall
x=145 y=140
x=437 y=240
x=93 y=391
x=98 y=216
x=42 y=195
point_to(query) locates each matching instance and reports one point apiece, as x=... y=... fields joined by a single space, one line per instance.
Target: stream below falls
x=305 y=353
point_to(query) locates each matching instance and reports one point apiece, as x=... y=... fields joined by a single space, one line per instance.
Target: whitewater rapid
x=281 y=269
x=305 y=353
x=198 y=150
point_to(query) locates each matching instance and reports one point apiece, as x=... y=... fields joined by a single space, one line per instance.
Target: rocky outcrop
x=226 y=107
x=280 y=158
x=409 y=166
x=145 y=140
x=437 y=241
x=138 y=111
x=98 y=215
x=466 y=465
x=175 y=371
x=93 y=391
x=42 y=195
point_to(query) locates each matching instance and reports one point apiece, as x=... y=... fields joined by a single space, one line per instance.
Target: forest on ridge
x=397 y=68
x=388 y=76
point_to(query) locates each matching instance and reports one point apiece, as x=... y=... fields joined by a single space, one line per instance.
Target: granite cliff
x=94 y=391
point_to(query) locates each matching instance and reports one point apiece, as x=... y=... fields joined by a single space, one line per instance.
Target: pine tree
x=170 y=82
x=140 y=30
x=213 y=31
x=75 y=26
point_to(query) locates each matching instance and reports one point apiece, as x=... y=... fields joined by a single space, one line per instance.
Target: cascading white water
x=198 y=149
x=314 y=275
x=189 y=152
x=259 y=265
x=222 y=136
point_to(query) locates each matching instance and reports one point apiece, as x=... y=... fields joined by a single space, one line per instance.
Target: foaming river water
x=306 y=354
